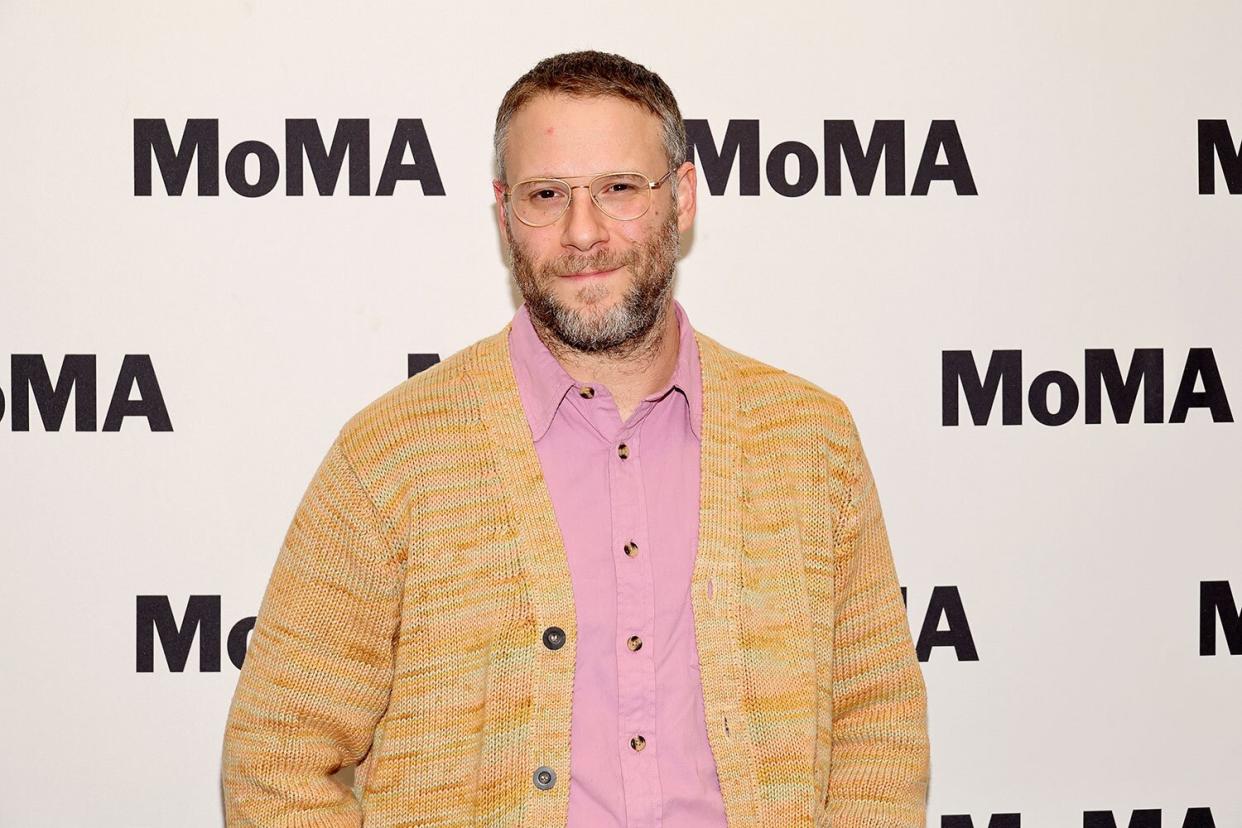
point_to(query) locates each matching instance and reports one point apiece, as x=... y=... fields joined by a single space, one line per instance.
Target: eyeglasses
x=623 y=196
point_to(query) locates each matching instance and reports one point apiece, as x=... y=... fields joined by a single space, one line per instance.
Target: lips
x=587 y=274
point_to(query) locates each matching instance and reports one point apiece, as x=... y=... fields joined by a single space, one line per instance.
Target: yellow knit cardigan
x=401 y=626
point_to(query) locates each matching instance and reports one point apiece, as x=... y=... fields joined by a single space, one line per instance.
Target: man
x=596 y=569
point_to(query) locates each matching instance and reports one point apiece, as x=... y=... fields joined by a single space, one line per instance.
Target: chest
x=491 y=568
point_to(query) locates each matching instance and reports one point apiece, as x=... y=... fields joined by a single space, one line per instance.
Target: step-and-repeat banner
x=1007 y=235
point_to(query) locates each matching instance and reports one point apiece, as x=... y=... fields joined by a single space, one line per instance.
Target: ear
x=686 y=180
x=498 y=191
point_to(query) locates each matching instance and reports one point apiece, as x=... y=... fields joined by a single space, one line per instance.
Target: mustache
x=574 y=264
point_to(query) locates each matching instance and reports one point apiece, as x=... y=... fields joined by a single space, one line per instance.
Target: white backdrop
x=1076 y=552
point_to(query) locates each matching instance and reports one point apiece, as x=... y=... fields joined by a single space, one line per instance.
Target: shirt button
x=586 y=392
x=638 y=743
x=553 y=638
x=623 y=451
x=544 y=777
x=631 y=549
x=634 y=643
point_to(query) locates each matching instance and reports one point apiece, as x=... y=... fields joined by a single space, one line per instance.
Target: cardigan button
x=586 y=392
x=544 y=777
x=634 y=643
x=638 y=743
x=623 y=451
x=553 y=638
x=631 y=549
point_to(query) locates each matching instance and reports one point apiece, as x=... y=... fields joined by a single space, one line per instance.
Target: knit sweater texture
x=401 y=627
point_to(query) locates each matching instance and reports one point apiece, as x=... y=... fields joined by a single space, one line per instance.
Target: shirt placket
x=638 y=742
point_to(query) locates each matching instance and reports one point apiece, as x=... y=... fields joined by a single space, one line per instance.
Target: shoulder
x=430 y=409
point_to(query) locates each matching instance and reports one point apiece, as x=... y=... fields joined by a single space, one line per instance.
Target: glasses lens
x=623 y=196
x=540 y=202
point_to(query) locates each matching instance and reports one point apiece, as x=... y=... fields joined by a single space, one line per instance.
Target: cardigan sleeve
x=880 y=750
x=318 y=669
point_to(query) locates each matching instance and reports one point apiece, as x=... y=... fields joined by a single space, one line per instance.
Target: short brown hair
x=589 y=74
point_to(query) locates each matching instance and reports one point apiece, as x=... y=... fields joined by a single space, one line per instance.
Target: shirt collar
x=542 y=381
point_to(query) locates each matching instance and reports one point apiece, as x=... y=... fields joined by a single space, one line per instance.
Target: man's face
x=595 y=282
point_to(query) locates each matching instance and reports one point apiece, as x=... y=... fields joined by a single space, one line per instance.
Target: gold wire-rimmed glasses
x=624 y=196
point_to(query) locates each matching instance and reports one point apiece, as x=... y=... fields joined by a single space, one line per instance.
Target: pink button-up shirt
x=630 y=526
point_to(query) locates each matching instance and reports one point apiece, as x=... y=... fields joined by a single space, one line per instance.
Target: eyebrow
x=558 y=175
x=580 y=175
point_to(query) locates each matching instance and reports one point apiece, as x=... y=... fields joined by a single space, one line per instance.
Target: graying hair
x=588 y=74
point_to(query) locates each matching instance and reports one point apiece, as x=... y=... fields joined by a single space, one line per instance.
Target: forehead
x=557 y=135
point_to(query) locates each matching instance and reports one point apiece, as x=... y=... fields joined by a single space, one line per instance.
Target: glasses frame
x=652 y=184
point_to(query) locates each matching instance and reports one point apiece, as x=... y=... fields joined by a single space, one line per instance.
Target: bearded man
x=596 y=569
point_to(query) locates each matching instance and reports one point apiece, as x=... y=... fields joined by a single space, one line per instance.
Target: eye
x=620 y=187
x=544 y=194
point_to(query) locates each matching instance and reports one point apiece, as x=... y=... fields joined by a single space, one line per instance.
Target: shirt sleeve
x=318 y=669
x=880 y=750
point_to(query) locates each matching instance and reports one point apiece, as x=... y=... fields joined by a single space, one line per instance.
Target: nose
x=585 y=226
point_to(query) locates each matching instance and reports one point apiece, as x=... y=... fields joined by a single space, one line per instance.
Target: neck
x=631 y=371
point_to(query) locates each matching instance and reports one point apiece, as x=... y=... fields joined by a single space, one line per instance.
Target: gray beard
x=620 y=329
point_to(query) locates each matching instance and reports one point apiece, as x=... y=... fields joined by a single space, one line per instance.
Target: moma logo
x=303 y=146
x=1216 y=147
x=1102 y=378
x=155 y=621
x=792 y=168
x=1216 y=601
x=1137 y=818
x=30 y=380
x=1149 y=818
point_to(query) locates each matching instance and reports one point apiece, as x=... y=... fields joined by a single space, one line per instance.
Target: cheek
x=634 y=233
x=538 y=247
